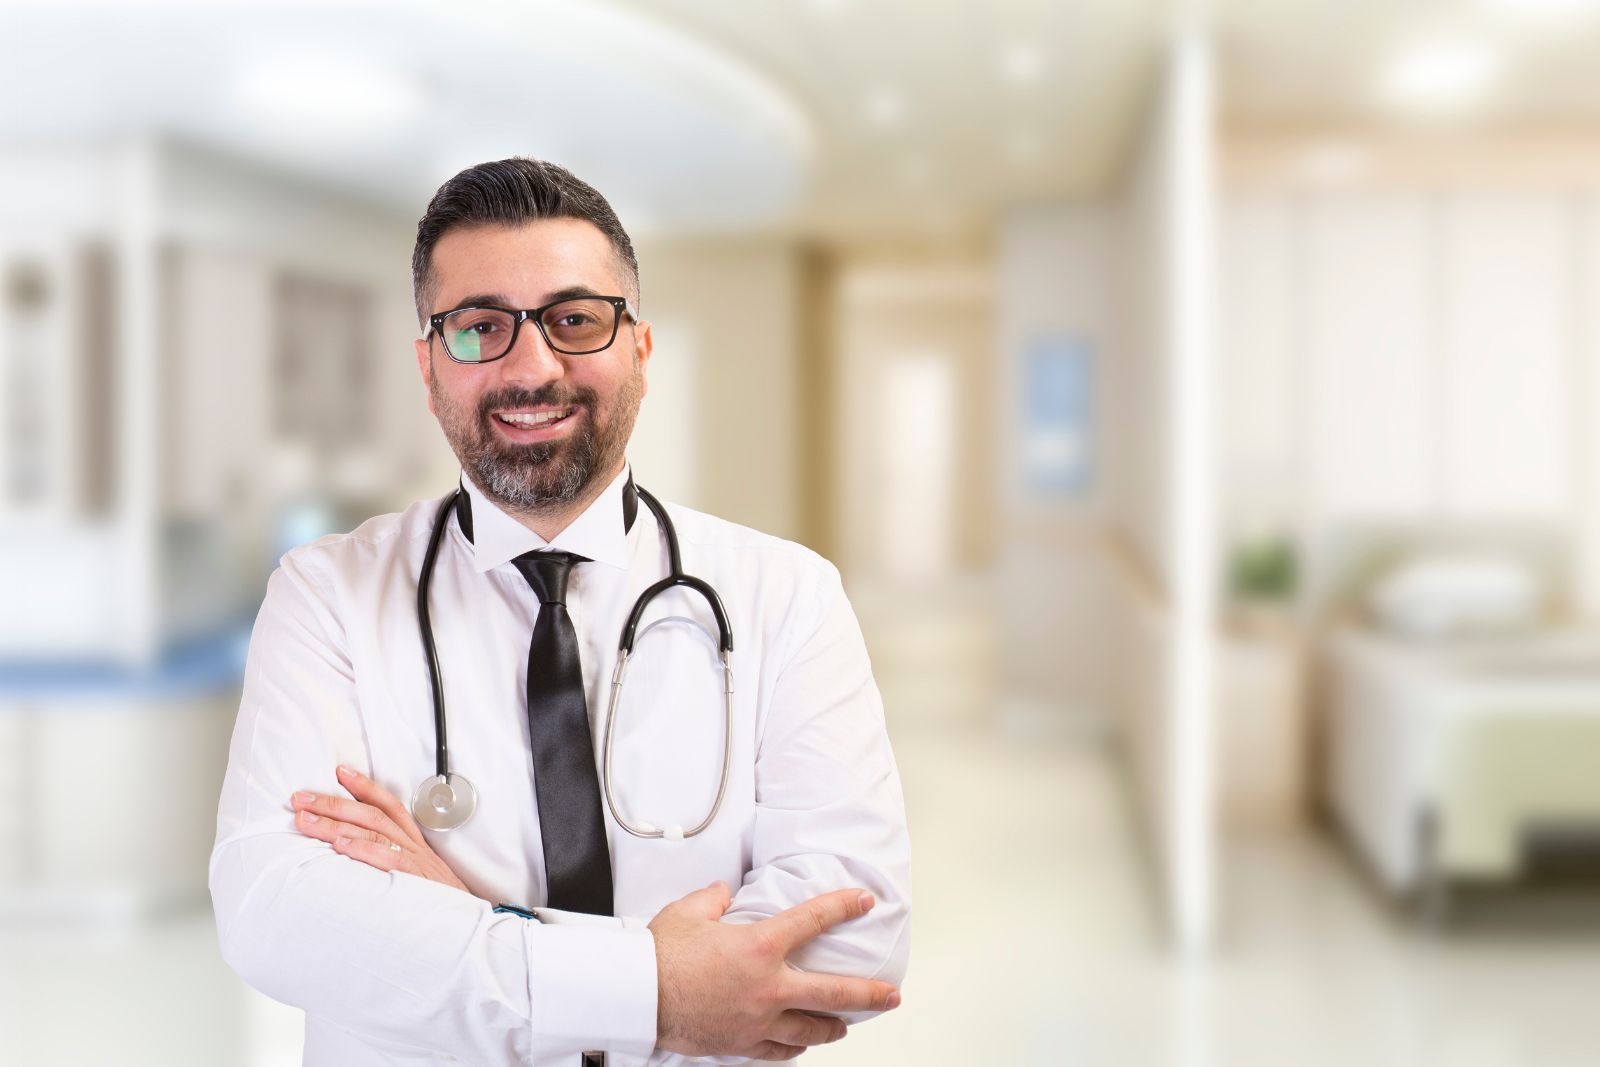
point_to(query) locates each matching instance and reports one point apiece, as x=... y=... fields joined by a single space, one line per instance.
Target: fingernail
x=865 y=900
x=347 y=772
x=308 y=816
x=894 y=1001
x=341 y=842
x=305 y=798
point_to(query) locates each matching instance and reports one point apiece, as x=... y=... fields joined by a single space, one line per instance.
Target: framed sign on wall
x=1058 y=417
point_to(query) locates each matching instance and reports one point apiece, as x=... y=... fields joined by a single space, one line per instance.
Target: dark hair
x=510 y=192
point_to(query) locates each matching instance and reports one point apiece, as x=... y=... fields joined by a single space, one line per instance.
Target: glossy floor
x=1035 y=942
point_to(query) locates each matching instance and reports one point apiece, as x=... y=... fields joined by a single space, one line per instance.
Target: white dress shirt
x=394 y=969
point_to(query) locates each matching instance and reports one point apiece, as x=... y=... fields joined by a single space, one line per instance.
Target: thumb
x=703 y=905
x=709 y=902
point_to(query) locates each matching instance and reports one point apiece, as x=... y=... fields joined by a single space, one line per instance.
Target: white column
x=1190 y=194
x=137 y=504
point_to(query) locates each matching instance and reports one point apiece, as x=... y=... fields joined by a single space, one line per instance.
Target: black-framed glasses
x=577 y=326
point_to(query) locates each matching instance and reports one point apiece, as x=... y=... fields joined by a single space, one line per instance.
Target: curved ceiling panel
x=390 y=99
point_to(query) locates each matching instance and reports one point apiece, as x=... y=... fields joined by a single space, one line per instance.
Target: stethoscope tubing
x=425 y=625
x=649 y=830
x=625 y=645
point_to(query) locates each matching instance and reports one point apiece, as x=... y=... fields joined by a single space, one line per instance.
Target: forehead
x=524 y=263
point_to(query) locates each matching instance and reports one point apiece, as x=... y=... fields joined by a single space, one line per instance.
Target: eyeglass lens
x=474 y=335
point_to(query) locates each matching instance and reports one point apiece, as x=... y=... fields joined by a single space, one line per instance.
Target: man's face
x=534 y=468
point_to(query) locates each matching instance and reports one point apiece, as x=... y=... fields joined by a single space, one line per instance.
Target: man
x=328 y=894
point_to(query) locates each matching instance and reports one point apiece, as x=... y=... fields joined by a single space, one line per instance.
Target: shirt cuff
x=592 y=988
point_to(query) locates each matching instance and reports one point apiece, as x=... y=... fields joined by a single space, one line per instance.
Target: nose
x=531 y=361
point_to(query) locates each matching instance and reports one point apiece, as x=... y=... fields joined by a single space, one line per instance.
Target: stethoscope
x=446 y=800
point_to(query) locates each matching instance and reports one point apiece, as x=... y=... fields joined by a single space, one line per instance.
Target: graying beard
x=524 y=482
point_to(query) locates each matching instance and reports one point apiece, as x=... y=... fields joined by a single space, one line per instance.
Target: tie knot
x=547 y=572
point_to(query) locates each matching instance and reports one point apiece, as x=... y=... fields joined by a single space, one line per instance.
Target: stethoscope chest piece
x=444 y=802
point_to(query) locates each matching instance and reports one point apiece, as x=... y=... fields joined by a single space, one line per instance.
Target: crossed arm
x=724 y=988
x=393 y=947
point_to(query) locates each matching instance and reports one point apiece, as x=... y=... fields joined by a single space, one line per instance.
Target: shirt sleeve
x=404 y=963
x=829 y=811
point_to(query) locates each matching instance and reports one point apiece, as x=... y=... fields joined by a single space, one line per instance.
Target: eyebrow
x=480 y=300
x=571 y=292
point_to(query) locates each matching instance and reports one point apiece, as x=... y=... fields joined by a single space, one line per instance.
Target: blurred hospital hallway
x=1203 y=415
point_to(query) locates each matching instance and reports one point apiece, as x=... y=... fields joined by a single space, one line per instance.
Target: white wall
x=732 y=308
x=1417 y=357
x=1585 y=386
x=1059 y=278
x=1261 y=401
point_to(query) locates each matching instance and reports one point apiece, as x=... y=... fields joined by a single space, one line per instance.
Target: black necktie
x=577 y=863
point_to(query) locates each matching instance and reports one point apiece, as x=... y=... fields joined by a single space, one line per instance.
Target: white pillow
x=1442 y=594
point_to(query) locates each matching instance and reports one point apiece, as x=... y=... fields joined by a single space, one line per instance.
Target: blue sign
x=1058 y=421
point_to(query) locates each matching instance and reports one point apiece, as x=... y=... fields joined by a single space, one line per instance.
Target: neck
x=549 y=521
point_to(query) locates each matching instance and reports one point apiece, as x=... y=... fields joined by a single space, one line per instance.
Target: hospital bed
x=1460 y=717
x=1461 y=759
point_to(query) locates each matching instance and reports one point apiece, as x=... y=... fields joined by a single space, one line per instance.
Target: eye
x=480 y=321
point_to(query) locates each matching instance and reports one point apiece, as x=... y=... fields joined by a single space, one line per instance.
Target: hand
x=727 y=989
x=369 y=827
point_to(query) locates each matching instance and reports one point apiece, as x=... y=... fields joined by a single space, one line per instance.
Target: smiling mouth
x=528 y=420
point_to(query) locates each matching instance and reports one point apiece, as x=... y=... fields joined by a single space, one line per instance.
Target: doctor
x=622 y=949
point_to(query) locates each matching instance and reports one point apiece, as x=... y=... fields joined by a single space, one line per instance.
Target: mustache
x=549 y=396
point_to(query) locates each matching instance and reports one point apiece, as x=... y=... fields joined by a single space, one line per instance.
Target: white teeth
x=517 y=418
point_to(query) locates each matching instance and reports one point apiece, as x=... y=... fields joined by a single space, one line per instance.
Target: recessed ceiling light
x=885 y=107
x=1021 y=63
x=1441 y=74
x=328 y=93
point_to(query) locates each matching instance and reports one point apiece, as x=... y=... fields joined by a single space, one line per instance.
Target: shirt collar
x=599 y=533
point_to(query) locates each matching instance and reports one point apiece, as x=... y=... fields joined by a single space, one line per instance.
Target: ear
x=425 y=365
x=643 y=345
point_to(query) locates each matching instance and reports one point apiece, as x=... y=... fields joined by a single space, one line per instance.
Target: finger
x=798 y=1028
x=325 y=829
x=793 y=928
x=367 y=789
x=834 y=993
x=380 y=854
x=351 y=811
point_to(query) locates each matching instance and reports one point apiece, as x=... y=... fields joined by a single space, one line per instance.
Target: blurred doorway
x=914 y=432
x=916 y=536
x=915 y=406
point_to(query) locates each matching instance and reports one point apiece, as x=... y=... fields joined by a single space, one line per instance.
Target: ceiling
x=846 y=119
x=1310 y=62
x=841 y=117
x=388 y=99
x=933 y=113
